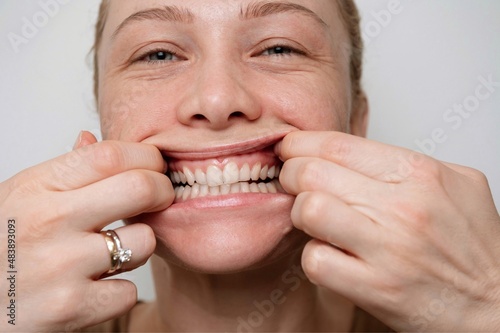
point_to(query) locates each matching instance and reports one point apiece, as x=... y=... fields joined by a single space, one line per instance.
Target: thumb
x=85 y=138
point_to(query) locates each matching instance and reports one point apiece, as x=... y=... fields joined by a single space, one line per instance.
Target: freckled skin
x=221 y=86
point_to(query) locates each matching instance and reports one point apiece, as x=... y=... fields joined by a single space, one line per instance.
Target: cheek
x=314 y=106
x=127 y=112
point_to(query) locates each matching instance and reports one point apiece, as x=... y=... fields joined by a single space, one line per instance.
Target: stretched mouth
x=254 y=172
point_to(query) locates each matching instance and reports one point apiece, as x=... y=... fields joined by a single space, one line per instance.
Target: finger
x=85 y=138
x=121 y=196
x=95 y=162
x=325 y=217
x=314 y=174
x=373 y=159
x=102 y=301
x=330 y=267
x=138 y=237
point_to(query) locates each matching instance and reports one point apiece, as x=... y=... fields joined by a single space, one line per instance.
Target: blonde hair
x=349 y=15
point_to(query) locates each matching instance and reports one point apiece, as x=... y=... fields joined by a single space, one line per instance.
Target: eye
x=159 y=56
x=278 y=50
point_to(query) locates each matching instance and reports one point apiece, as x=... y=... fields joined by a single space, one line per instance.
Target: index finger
x=92 y=163
x=373 y=159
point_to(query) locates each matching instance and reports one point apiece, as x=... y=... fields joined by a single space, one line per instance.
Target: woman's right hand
x=55 y=211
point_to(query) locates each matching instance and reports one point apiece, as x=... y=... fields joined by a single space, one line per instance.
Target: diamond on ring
x=124 y=255
x=118 y=255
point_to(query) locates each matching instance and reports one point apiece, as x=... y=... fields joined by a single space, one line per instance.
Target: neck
x=274 y=298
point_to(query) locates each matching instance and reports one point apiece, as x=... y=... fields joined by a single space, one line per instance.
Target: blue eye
x=160 y=56
x=278 y=50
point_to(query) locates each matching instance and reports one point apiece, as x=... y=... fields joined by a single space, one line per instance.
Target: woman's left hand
x=413 y=241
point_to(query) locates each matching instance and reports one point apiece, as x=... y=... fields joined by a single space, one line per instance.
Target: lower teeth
x=197 y=190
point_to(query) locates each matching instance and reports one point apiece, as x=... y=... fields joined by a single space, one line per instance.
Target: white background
x=418 y=64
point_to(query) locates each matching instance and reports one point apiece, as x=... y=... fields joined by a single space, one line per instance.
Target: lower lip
x=227 y=201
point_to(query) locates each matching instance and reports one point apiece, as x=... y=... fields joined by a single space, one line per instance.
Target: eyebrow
x=264 y=8
x=184 y=15
x=166 y=13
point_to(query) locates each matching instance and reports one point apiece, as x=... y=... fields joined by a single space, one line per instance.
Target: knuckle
x=337 y=148
x=128 y=293
x=108 y=155
x=142 y=185
x=390 y=292
x=475 y=175
x=429 y=170
x=309 y=174
x=419 y=217
x=312 y=206
x=414 y=213
x=479 y=177
x=416 y=217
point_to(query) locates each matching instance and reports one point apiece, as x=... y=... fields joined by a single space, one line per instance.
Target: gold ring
x=117 y=254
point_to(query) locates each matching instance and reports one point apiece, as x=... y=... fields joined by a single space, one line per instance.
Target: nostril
x=237 y=114
x=199 y=117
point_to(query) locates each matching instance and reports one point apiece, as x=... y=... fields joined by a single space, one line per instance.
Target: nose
x=218 y=97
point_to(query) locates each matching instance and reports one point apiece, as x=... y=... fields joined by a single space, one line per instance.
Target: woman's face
x=214 y=85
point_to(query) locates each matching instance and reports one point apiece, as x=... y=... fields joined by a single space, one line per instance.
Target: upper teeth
x=231 y=174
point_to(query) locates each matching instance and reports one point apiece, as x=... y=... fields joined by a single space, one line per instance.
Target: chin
x=226 y=234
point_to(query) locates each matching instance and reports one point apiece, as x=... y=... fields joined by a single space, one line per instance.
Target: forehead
x=212 y=11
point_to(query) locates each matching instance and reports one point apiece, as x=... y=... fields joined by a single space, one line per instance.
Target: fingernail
x=78 y=140
x=277 y=149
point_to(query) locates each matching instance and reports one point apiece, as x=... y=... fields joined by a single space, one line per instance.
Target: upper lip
x=238 y=148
